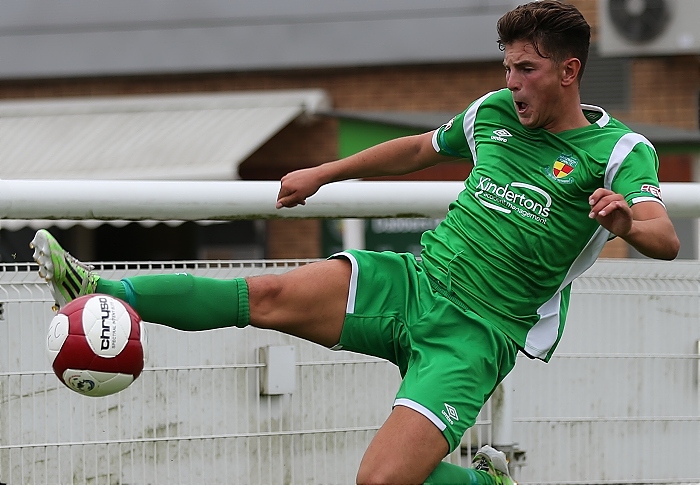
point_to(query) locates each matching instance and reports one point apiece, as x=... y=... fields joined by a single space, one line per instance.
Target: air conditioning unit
x=648 y=27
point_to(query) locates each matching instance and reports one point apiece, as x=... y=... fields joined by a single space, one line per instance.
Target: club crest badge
x=562 y=168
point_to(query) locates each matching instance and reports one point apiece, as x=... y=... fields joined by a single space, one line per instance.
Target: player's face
x=535 y=84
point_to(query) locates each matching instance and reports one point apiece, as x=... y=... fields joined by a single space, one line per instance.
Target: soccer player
x=553 y=180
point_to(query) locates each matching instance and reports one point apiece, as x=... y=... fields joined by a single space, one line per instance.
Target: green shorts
x=451 y=359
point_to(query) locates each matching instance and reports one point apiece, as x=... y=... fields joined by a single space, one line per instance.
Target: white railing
x=190 y=201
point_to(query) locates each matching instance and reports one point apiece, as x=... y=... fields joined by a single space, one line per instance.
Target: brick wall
x=440 y=87
x=298 y=145
x=291 y=239
x=665 y=91
x=589 y=9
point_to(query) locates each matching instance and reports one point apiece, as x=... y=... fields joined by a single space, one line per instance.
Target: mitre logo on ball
x=97 y=345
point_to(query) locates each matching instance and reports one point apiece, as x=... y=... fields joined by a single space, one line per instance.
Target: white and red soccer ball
x=97 y=345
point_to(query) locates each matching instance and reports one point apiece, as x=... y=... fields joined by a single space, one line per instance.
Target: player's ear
x=569 y=70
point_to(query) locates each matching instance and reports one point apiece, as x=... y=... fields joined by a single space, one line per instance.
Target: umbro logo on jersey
x=501 y=135
x=450 y=413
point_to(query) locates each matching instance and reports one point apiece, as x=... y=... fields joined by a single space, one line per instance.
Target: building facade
x=400 y=57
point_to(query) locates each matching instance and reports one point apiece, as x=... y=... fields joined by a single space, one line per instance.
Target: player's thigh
x=387 y=290
x=457 y=361
x=307 y=302
x=406 y=449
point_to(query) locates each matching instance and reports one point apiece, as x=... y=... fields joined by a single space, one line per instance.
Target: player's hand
x=297 y=186
x=611 y=211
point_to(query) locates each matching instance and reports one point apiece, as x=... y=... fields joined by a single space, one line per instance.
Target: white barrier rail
x=227 y=200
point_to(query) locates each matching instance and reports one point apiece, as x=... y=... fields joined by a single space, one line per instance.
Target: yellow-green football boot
x=67 y=277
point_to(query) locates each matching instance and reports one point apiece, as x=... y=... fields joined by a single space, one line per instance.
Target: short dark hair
x=556 y=30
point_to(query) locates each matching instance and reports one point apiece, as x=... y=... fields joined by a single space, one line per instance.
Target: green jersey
x=518 y=235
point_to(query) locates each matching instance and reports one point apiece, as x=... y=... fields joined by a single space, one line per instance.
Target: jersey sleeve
x=451 y=140
x=637 y=179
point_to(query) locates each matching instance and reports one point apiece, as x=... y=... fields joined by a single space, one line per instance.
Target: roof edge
x=312 y=100
x=657 y=134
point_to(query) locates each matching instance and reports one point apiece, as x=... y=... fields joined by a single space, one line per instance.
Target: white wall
x=619 y=402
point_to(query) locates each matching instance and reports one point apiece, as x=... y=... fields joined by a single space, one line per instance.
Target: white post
x=353 y=234
x=695 y=173
x=502 y=415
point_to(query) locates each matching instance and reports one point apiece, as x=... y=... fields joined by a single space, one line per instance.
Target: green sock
x=448 y=473
x=183 y=301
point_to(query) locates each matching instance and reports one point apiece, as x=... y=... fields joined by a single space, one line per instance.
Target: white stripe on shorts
x=352 y=293
x=402 y=401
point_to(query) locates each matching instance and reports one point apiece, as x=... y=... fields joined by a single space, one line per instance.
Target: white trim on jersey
x=436 y=146
x=468 y=124
x=604 y=119
x=422 y=410
x=467 y=127
x=622 y=149
x=543 y=335
x=637 y=200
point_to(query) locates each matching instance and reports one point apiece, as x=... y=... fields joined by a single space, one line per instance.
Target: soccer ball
x=96 y=345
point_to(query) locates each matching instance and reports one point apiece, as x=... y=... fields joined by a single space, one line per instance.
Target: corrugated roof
x=171 y=137
x=163 y=137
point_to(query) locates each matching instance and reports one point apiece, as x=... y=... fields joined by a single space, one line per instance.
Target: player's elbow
x=666 y=249
x=655 y=238
x=673 y=247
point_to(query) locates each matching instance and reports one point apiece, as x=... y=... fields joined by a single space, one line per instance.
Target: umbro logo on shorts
x=450 y=413
x=501 y=135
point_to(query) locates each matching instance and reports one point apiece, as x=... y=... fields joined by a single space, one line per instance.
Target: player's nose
x=512 y=83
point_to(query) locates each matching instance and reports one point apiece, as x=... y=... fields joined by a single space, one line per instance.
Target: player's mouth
x=521 y=107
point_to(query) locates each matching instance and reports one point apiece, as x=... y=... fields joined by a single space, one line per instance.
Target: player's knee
x=264 y=293
x=375 y=475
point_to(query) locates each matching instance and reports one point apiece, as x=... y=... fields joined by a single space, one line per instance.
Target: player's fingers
x=283 y=192
x=284 y=195
x=601 y=205
x=598 y=194
x=290 y=201
x=616 y=205
x=612 y=206
x=604 y=201
x=285 y=202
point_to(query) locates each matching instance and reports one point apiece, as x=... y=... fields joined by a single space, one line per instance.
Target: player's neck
x=571 y=117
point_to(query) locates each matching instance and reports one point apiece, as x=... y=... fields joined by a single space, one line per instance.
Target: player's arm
x=394 y=157
x=645 y=226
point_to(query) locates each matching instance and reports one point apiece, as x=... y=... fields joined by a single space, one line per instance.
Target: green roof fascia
x=356 y=135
